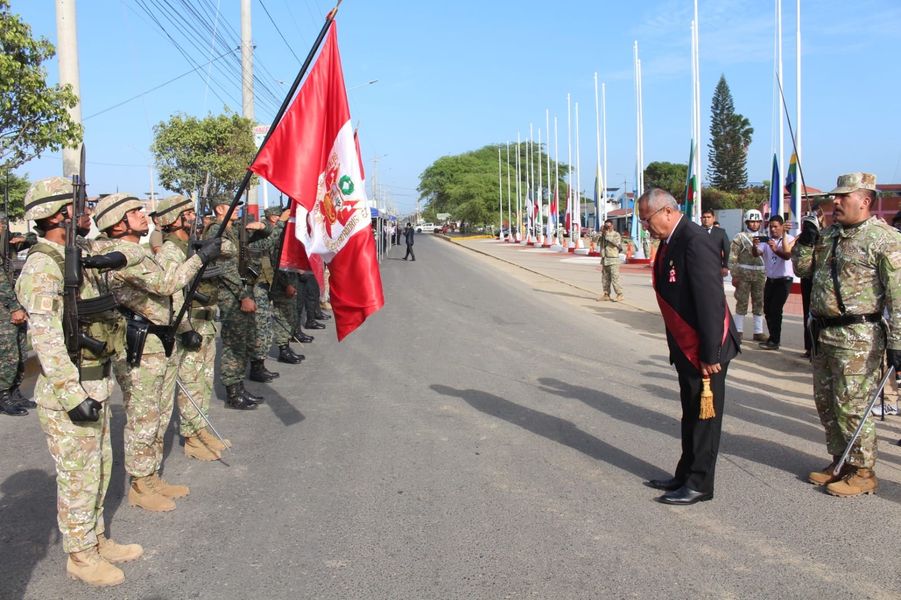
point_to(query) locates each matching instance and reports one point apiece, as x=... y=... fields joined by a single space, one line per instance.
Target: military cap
x=112 y=208
x=46 y=197
x=169 y=208
x=274 y=211
x=854 y=181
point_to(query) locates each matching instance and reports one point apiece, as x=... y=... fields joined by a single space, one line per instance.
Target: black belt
x=843 y=320
x=781 y=278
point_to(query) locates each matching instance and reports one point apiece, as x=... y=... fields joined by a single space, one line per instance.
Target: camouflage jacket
x=740 y=255
x=149 y=289
x=7 y=296
x=868 y=262
x=40 y=291
x=611 y=244
x=230 y=280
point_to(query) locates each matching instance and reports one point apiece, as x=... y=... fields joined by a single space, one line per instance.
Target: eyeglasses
x=647 y=221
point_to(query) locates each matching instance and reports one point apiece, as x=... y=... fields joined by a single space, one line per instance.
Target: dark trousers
x=307 y=299
x=700 y=439
x=409 y=252
x=775 y=293
x=806 y=288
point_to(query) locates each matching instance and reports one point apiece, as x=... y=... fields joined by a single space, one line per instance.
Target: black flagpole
x=248 y=174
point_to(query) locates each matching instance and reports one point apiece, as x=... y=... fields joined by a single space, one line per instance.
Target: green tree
x=668 y=176
x=730 y=137
x=466 y=185
x=186 y=148
x=17 y=188
x=33 y=115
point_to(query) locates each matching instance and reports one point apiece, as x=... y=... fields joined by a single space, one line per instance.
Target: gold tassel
x=707 y=411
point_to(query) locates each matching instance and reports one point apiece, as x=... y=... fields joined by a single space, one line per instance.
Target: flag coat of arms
x=312 y=157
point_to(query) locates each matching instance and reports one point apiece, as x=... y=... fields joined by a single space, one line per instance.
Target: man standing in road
x=611 y=245
x=776 y=254
x=408 y=238
x=701 y=338
x=719 y=237
x=856 y=269
x=748 y=275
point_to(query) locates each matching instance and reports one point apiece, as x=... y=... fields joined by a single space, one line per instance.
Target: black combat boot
x=303 y=338
x=286 y=355
x=259 y=373
x=9 y=407
x=314 y=325
x=250 y=397
x=235 y=399
x=323 y=316
x=16 y=396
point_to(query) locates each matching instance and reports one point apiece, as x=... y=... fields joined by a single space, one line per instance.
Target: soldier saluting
x=73 y=388
x=855 y=267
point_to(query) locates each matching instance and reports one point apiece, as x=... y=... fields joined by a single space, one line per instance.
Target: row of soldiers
x=128 y=302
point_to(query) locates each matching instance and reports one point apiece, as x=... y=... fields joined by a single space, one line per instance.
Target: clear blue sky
x=455 y=76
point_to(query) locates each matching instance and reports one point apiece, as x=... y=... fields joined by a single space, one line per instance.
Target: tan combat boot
x=196 y=448
x=212 y=441
x=825 y=476
x=143 y=492
x=856 y=482
x=620 y=297
x=118 y=553
x=93 y=569
x=170 y=490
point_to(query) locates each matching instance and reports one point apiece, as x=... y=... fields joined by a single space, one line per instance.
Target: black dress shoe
x=667 y=485
x=314 y=325
x=685 y=496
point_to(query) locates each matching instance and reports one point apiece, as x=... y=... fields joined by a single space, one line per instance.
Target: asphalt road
x=485 y=435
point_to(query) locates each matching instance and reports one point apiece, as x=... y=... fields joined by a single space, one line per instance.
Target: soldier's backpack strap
x=47 y=249
x=833 y=267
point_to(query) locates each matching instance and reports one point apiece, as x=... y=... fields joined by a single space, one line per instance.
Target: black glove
x=89 y=410
x=894 y=359
x=191 y=340
x=810 y=231
x=113 y=260
x=210 y=249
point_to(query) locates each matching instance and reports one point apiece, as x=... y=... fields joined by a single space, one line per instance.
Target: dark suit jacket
x=408 y=235
x=687 y=278
x=721 y=240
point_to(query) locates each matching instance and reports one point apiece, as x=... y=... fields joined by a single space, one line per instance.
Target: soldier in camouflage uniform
x=748 y=275
x=72 y=396
x=856 y=270
x=610 y=244
x=12 y=324
x=149 y=296
x=237 y=308
x=175 y=216
x=283 y=292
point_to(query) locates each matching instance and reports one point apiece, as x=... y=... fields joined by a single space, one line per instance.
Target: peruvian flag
x=312 y=157
x=552 y=216
x=569 y=218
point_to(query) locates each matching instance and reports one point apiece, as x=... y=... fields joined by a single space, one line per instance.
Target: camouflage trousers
x=84 y=462
x=238 y=336
x=843 y=381
x=148 y=395
x=610 y=278
x=196 y=373
x=13 y=352
x=284 y=311
x=748 y=286
x=262 y=340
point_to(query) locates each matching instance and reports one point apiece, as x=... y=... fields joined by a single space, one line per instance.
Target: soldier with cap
x=196 y=360
x=72 y=393
x=149 y=296
x=283 y=293
x=855 y=266
x=237 y=308
x=748 y=275
x=611 y=243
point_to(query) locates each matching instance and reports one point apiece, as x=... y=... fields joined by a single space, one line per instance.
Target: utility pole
x=247 y=86
x=67 y=53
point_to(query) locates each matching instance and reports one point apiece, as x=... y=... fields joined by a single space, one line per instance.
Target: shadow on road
x=553 y=428
x=282 y=409
x=27 y=527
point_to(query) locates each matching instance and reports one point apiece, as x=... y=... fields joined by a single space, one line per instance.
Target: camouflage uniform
x=748 y=276
x=284 y=309
x=12 y=337
x=258 y=259
x=847 y=359
x=153 y=292
x=611 y=244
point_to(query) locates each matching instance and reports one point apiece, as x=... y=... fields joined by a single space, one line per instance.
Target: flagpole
x=557 y=240
x=569 y=163
x=518 y=194
x=500 y=196
x=530 y=182
x=509 y=209
x=779 y=75
x=697 y=115
x=796 y=192
x=547 y=124
x=539 y=228
x=248 y=174
x=578 y=203
x=598 y=184
x=604 y=117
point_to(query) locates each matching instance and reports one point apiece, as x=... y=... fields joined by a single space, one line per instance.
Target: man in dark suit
x=700 y=334
x=408 y=238
x=719 y=237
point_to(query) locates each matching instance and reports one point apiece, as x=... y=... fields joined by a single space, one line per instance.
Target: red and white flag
x=312 y=157
x=569 y=217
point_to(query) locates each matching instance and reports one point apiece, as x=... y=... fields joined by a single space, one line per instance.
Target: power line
x=274 y=24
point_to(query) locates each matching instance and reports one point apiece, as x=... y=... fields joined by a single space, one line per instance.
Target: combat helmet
x=46 y=197
x=111 y=209
x=169 y=208
x=753 y=215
